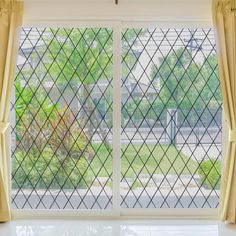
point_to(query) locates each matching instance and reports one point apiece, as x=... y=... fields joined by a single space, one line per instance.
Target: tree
x=174 y=72
x=79 y=59
x=193 y=87
x=182 y=79
x=211 y=93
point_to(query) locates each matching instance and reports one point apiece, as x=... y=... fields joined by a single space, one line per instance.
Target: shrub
x=46 y=170
x=68 y=140
x=209 y=172
x=33 y=109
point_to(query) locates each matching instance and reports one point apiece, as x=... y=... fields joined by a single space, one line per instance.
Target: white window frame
x=148 y=13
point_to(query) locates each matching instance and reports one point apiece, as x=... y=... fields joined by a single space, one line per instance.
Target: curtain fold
x=224 y=19
x=11 y=13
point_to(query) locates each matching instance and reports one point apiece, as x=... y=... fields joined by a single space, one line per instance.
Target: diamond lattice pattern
x=62 y=119
x=171 y=119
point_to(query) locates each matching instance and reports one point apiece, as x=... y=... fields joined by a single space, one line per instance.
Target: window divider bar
x=116 y=134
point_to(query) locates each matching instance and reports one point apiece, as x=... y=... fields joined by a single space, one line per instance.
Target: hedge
x=209 y=172
x=47 y=171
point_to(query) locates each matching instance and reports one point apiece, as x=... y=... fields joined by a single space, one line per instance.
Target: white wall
x=174 y=12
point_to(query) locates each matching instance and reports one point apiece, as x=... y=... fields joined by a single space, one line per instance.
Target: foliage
x=46 y=170
x=33 y=110
x=75 y=57
x=78 y=58
x=39 y=122
x=139 y=109
x=68 y=139
x=209 y=172
x=212 y=81
x=164 y=159
x=79 y=55
x=177 y=71
x=173 y=77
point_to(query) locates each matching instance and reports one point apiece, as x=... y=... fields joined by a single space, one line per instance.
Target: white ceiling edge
x=176 y=12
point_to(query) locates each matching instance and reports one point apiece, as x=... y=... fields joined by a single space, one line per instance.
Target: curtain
x=224 y=19
x=10 y=19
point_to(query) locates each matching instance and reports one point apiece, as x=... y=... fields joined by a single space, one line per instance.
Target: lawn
x=136 y=160
x=142 y=159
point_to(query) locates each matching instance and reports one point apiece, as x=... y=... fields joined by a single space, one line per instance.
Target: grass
x=136 y=160
x=144 y=160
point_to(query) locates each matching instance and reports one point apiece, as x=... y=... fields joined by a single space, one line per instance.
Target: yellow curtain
x=224 y=18
x=10 y=19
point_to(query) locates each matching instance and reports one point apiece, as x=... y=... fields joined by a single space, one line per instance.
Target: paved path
x=169 y=192
x=101 y=202
x=201 y=151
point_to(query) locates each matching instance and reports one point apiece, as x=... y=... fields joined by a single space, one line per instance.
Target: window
x=171 y=119
x=62 y=145
x=62 y=119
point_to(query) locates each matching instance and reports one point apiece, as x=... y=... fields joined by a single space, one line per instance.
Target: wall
x=171 y=12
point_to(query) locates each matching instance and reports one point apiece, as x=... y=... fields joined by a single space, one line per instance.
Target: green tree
x=182 y=79
x=79 y=58
x=211 y=92
x=174 y=72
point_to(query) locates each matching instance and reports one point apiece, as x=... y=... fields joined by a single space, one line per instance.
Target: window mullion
x=116 y=117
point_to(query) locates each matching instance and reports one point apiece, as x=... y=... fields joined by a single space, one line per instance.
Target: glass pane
x=171 y=119
x=62 y=119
